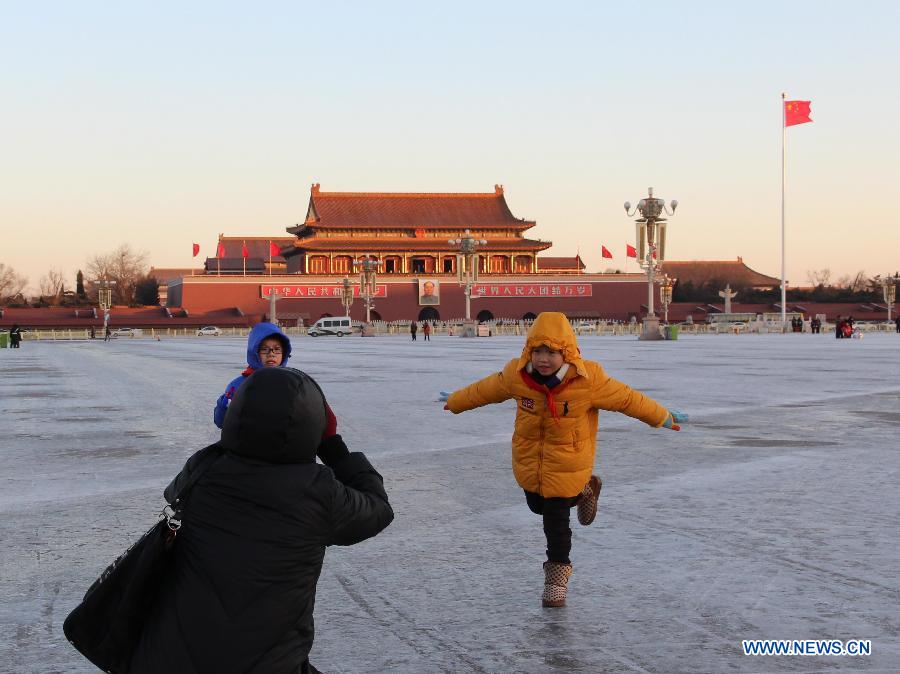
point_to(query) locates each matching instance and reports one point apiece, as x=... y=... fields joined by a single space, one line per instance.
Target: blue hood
x=260 y=332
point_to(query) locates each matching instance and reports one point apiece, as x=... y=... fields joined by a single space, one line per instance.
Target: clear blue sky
x=163 y=123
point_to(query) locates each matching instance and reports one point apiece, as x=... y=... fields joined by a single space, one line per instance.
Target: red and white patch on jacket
x=527 y=404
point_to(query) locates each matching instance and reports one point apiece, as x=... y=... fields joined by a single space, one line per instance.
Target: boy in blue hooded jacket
x=267 y=346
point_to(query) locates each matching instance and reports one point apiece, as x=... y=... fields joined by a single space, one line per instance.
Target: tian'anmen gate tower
x=409 y=233
x=408 y=236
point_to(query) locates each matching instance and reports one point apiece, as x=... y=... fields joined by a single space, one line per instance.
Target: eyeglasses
x=266 y=350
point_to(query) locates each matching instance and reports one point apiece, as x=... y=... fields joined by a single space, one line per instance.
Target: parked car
x=126 y=332
x=209 y=331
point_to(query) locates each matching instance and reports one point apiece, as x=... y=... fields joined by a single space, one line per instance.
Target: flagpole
x=270 y=257
x=783 y=282
x=244 y=257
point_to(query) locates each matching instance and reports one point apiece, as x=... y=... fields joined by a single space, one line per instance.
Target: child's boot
x=556 y=578
x=587 y=501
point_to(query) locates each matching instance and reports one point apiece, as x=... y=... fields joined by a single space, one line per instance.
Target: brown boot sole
x=553 y=604
x=587 y=512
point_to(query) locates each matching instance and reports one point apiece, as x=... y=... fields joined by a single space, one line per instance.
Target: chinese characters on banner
x=318 y=291
x=532 y=290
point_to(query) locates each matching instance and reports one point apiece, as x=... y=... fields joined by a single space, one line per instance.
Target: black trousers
x=556 y=524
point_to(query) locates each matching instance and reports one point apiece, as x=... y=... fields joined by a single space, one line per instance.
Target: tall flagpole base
x=469 y=329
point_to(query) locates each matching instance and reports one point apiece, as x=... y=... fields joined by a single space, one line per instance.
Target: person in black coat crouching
x=239 y=594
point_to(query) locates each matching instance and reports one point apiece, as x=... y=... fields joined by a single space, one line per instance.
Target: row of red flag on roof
x=274 y=250
x=630 y=251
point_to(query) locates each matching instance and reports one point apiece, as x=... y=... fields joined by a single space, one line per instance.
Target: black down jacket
x=240 y=593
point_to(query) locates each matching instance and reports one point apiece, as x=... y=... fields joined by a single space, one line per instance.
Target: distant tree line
x=123 y=268
x=856 y=288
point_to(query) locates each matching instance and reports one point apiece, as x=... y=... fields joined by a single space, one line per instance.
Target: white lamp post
x=467 y=273
x=368 y=269
x=650 y=237
x=347 y=296
x=889 y=290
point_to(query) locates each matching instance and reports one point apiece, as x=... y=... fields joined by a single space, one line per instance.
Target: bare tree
x=124 y=266
x=11 y=283
x=819 y=277
x=52 y=286
x=858 y=282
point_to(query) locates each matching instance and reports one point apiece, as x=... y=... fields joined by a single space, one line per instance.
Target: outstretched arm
x=615 y=396
x=491 y=389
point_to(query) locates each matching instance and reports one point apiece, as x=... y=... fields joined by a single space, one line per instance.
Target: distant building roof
x=733 y=272
x=448 y=210
x=558 y=263
x=163 y=274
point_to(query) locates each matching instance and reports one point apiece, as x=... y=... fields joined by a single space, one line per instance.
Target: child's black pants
x=556 y=523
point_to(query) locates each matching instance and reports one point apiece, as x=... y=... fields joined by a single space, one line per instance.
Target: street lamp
x=367 y=274
x=889 y=290
x=347 y=296
x=104 y=299
x=650 y=236
x=467 y=273
x=665 y=296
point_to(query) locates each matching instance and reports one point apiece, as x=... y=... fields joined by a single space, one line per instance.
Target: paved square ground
x=774 y=514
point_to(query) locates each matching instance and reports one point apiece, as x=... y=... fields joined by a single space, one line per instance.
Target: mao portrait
x=429 y=291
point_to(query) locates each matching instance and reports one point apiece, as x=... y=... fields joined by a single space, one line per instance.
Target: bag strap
x=173 y=512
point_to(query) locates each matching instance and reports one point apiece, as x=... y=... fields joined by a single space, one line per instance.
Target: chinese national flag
x=220 y=253
x=244 y=252
x=196 y=249
x=630 y=251
x=274 y=250
x=606 y=253
x=796 y=112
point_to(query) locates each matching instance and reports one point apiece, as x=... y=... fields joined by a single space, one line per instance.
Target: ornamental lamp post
x=467 y=273
x=368 y=269
x=665 y=296
x=889 y=290
x=104 y=299
x=347 y=296
x=650 y=239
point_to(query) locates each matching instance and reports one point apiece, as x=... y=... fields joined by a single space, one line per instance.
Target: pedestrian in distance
x=897 y=323
x=15 y=336
x=267 y=346
x=413 y=327
x=558 y=395
x=426 y=331
x=240 y=585
x=107 y=334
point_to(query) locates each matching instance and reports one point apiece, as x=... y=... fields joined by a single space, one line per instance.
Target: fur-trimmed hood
x=552 y=329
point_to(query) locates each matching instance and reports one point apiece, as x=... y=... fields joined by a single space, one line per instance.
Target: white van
x=333 y=326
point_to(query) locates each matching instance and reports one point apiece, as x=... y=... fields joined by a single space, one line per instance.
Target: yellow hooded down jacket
x=554 y=457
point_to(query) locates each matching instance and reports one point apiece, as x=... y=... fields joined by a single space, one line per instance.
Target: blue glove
x=680 y=417
x=674 y=419
x=443 y=396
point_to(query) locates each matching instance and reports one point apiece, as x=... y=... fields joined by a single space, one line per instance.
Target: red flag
x=196 y=249
x=274 y=250
x=606 y=253
x=630 y=251
x=244 y=252
x=796 y=112
x=221 y=251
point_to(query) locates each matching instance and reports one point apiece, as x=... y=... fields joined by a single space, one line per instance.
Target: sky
x=162 y=124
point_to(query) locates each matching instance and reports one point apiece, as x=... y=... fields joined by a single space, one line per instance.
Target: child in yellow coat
x=558 y=396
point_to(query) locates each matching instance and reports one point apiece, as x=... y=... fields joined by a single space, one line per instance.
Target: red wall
x=612 y=297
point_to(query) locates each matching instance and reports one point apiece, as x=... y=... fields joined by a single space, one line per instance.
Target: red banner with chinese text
x=532 y=290
x=315 y=291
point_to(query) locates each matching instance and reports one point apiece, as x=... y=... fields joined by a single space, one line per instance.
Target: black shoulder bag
x=106 y=626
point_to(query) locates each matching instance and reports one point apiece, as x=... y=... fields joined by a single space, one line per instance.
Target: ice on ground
x=773 y=514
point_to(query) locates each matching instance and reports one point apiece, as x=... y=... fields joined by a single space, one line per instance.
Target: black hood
x=277 y=415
